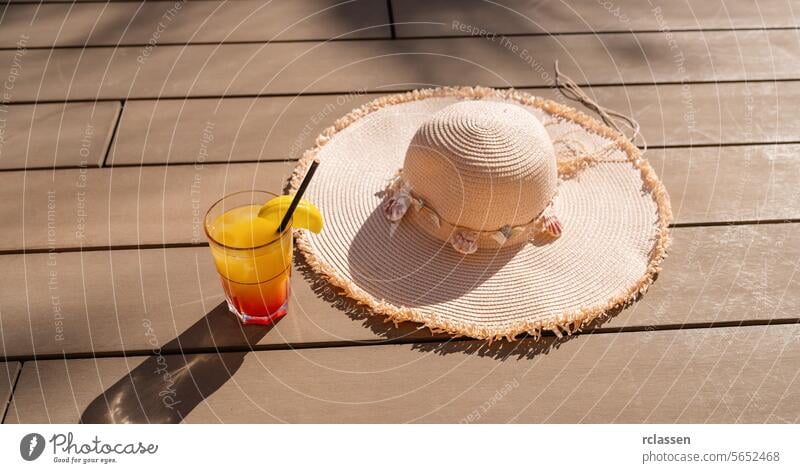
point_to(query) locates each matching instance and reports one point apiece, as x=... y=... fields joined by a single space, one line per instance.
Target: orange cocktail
x=254 y=262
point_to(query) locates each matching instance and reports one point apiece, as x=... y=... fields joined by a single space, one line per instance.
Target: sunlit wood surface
x=106 y=282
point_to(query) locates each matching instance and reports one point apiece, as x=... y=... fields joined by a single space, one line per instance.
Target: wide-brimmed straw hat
x=483 y=213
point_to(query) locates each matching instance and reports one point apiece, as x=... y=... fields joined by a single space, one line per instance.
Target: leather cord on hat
x=616 y=120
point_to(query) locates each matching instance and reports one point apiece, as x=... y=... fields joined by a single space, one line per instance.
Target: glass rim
x=215 y=241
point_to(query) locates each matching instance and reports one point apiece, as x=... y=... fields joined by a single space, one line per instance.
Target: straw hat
x=483 y=213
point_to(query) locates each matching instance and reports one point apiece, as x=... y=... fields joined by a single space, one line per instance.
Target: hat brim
x=614 y=213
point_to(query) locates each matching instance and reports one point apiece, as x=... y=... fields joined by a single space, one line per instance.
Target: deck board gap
x=392 y=37
x=112 y=137
x=11 y=394
x=390 y=12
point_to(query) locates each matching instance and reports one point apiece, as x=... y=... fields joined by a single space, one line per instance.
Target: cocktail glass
x=255 y=277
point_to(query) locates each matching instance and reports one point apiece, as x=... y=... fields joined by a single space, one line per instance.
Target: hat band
x=399 y=198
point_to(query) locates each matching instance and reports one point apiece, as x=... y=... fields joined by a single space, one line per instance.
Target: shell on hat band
x=399 y=199
x=398 y=202
x=551 y=225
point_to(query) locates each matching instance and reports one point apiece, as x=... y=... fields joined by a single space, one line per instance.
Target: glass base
x=258 y=319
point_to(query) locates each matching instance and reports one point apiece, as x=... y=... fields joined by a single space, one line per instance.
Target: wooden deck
x=120 y=120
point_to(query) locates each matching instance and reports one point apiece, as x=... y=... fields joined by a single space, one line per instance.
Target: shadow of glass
x=164 y=389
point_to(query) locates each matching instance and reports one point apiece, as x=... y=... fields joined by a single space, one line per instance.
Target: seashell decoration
x=502 y=235
x=465 y=241
x=396 y=206
x=551 y=225
x=399 y=198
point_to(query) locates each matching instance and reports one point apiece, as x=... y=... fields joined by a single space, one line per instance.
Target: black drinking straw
x=300 y=191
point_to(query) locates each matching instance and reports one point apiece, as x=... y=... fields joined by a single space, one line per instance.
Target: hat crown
x=483 y=165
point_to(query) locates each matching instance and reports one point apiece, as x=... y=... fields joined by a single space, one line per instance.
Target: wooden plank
x=280 y=128
x=102 y=302
x=722 y=275
x=158 y=205
x=730 y=184
x=176 y=22
x=702 y=114
x=446 y=17
x=711 y=375
x=8 y=376
x=243 y=129
x=382 y=65
x=131 y=206
x=56 y=135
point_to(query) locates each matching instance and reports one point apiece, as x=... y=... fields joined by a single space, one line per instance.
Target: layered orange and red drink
x=253 y=259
